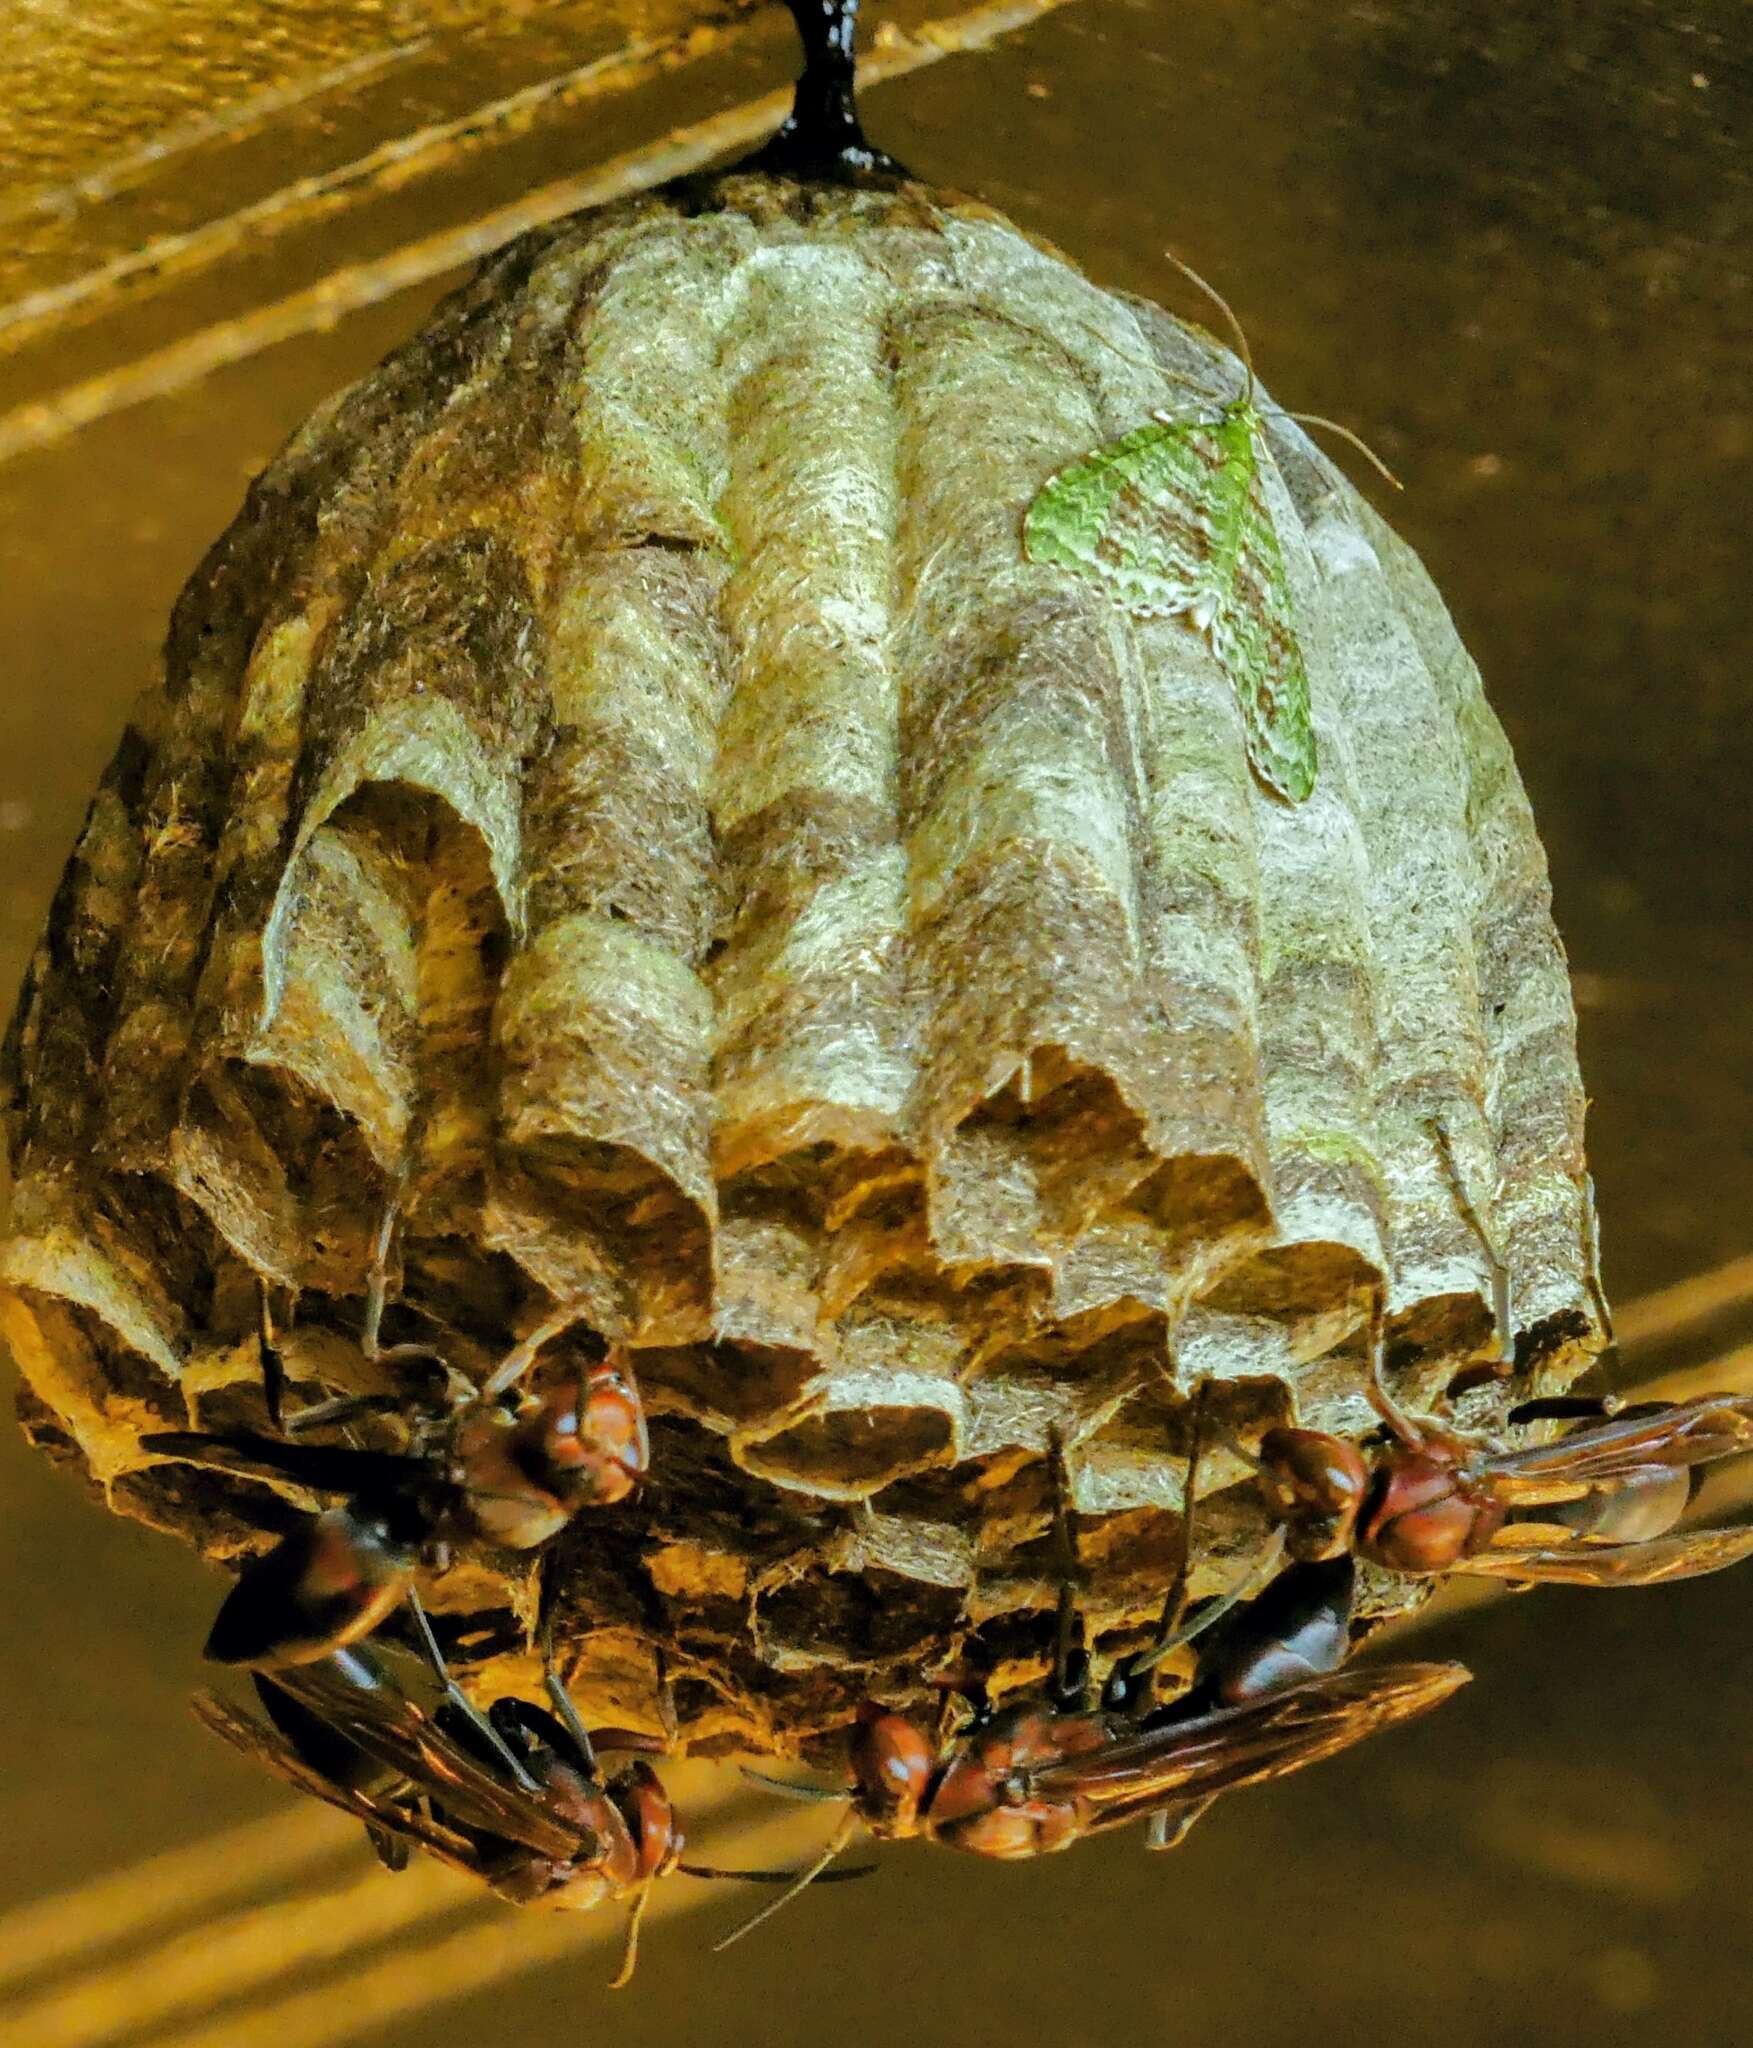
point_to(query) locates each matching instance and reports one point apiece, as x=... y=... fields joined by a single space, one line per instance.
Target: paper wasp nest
x=621 y=772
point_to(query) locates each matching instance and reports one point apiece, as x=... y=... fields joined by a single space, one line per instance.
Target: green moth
x=1172 y=520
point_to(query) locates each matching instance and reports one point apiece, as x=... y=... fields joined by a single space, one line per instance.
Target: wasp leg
x=1500 y=1273
x=377 y=1281
x=1171 y=1827
x=562 y=1702
x=1175 y=1601
x=1565 y=1408
x=343 y=1408
x=1380 y=1399
x=1071 y=1664
x=460 y=1700
x=273 y=1365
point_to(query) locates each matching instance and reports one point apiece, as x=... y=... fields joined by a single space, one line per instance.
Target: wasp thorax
x=1424 y=1514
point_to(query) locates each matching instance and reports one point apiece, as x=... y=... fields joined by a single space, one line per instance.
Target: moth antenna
x=802 y=1882
x=1314 y=419
x=630 y=1942
x=1159 y=369
x=1149 y=364
x=1224 y=307
x=713 y=1870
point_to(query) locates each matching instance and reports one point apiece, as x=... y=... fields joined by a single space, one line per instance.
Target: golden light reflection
x=350 y=288
x=246 y=1940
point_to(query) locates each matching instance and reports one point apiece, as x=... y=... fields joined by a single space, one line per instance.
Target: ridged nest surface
x=620 y=778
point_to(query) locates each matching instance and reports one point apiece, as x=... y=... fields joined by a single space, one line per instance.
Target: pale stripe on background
x=183 y=1935
x=178 y=1884
x=178 y=1936
x=1672 y=1309
x=321 y=306
x=502 y=1944
x=388 y=168
x=230 y=122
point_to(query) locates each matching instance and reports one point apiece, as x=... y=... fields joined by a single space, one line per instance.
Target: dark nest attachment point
x=822 y=140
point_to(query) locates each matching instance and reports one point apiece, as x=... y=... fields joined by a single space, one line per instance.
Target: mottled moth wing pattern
x=1171 y=518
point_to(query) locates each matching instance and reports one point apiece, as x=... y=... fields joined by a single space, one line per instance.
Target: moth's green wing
x=1253 y=632
x=1116 y=517
x=1171 y=519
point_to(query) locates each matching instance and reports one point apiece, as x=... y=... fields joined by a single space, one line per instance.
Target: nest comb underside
x=620 y=779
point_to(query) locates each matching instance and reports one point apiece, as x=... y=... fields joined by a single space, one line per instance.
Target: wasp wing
x=1688 y=1433
x=325 y=1468
x=257 y=1740
x=388 y=1725
x=1689 y=1555
x=1180 y=1762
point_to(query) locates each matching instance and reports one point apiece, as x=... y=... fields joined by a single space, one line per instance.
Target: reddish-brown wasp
x=485 y=1463
x=515 y=1797
x=1595 y=1507
x=1047 y=1771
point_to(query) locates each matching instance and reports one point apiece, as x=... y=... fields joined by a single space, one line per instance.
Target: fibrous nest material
x=620 y=780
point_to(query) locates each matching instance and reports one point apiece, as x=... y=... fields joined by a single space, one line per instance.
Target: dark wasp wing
x=324 y=1468
x=386 y=1724
x=1689 y=1433
x=268 y=1748
x=1178 y=1762
x=1689 y=1555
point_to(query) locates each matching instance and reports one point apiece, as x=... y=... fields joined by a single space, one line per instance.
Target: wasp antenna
x=1591 y=1230
x=1265 y=1562
x=792 y=1788
x=522 y=1355
x=713 y=1870
x=1237 y=1449
x=1315 y=419
x=666 y=1699
x=1224 y=307
x=1069 y=1667
x=801 y=1883
x=630 y=1942
x=1380 y=1399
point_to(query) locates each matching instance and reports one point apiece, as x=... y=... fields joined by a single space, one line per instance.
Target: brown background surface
x=1511 y=246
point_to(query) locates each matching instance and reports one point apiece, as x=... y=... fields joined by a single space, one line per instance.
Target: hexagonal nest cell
x=621 y=783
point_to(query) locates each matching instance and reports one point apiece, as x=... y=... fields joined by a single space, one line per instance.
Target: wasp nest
x=621 y=782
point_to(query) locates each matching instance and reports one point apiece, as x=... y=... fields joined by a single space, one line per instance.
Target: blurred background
x=1511 y=246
